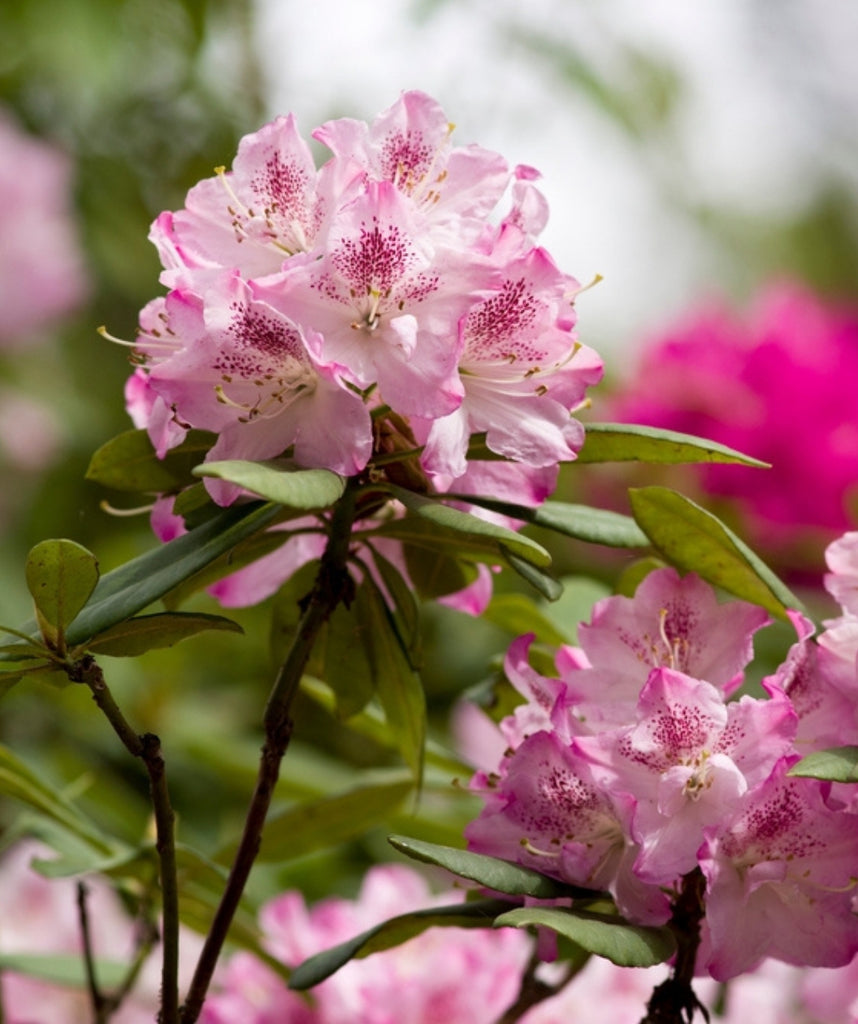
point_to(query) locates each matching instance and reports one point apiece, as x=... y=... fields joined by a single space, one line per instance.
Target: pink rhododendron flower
x=444 y=975
x=687 y=760
x=42 y=273
x=739 y=380
x=780 y=876
x=671 y=622
x=634 y=768
x=380 y=305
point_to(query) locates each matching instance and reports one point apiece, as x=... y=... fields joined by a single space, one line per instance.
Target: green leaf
x=625 y=945
x=497 y=875
x=66 y=969
x=398 y=687
x=129 y=463
x=348 y=667
x=19 y=782
x=837 y=764
x=407 y=612
x=435 y=574
x=624 y=442
x=286 y=611
x=295 y=488
x=478 y=914
x=594 y=525
x=694 y=540
x=324 y=822
x=244 y=553
x=133 y=637
x=542 y=582
x=452 y=519
x=61 y=576
x=135 y=585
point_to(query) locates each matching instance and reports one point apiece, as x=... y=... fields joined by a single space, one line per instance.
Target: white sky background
x=747 y=136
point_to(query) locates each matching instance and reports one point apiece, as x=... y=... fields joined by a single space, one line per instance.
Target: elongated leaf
x=129 y=463
x=694 y=540
x=348 y=667
x=624 y=944
x=837 y=764
x=403 y=598
x=497 y=875
x=399 y=689
x=435 y=574
x=324 y=822
x=449 y=518
x=594 y=525
x=135 y=585
x=542 y=582
x=479 y=914
x=624 y=442
x=148 y=632
x=19 y=782
x=61 y=576
x=63 y=968
x=295 y=488
x=243 y=554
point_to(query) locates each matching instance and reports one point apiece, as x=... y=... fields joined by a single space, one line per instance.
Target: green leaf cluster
x=591 y=923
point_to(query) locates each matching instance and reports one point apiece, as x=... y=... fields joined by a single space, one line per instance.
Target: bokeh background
x=688 y=151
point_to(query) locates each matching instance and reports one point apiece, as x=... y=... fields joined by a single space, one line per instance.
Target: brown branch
x=332 y=585
x=148 y=749
x=674 y=1001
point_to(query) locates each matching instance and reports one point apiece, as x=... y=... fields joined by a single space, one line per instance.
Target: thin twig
x=97 y=998
x=148 y=748
x=332 y=585
x=532 y=992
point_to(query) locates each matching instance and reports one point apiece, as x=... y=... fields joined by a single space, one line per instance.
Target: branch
x=674 y=1001
x=148 y=749
x=99 y=1002
x=332 y=585
x=532 y=992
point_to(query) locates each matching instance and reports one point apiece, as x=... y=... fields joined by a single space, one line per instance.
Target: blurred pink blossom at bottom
x=40 y=916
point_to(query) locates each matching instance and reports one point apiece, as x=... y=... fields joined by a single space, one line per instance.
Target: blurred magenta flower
x=777 y=383
x=42 y=274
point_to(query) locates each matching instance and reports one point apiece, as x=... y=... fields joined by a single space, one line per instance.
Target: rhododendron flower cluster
x=305 y=305
x=633 y=768
x=778 y=384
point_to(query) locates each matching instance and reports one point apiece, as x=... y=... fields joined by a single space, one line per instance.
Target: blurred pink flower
x=40 y=916
x=443 y=976
x=778 y=384
x=42 y=272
